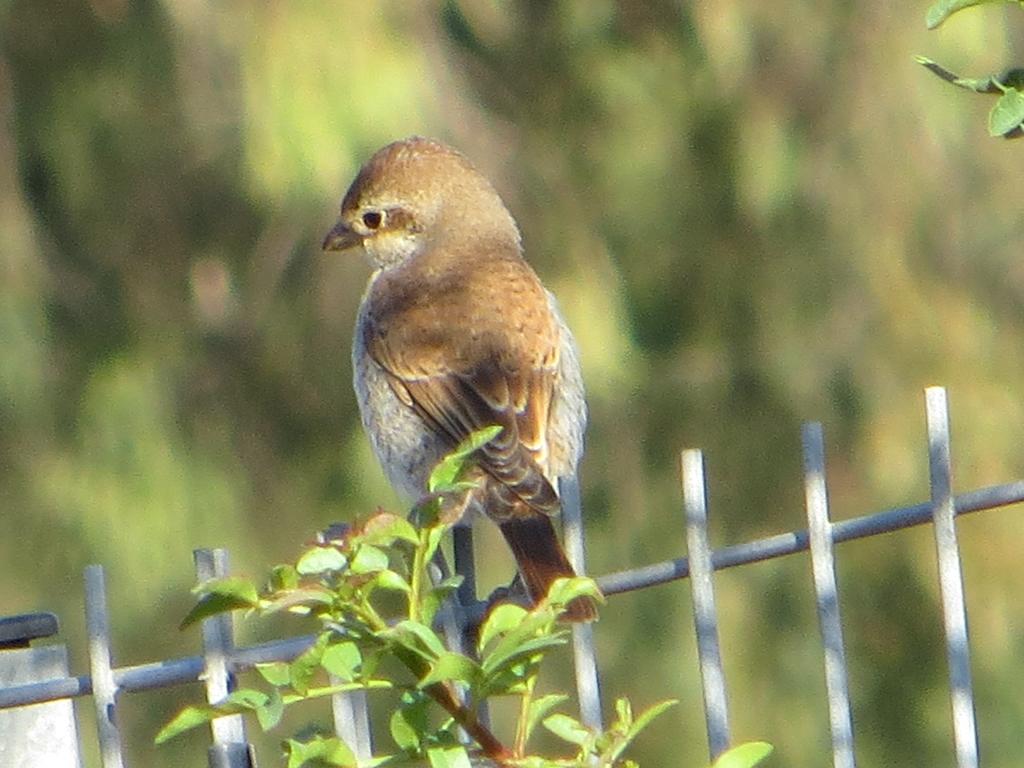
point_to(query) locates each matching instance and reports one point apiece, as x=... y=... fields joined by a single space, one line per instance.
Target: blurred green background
x=754 y=214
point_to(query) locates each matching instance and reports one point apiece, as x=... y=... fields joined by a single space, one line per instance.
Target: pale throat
x=393 y=250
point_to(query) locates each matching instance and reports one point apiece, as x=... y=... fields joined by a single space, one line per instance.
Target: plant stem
x=467 y=720
x=522 y=723
x=416 y=577
x=464 y=716
x=370 y=615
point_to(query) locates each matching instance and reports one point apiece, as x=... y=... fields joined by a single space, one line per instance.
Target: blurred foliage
x=752 y=214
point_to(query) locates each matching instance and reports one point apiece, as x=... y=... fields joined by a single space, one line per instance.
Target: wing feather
x=470 y=349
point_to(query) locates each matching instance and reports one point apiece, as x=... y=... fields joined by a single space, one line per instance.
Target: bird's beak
x=341 y=238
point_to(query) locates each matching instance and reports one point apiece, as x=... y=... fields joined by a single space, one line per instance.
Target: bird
x=455 y=333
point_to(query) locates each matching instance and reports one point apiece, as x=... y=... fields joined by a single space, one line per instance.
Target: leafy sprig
x=1006 y=118
x=350 y=585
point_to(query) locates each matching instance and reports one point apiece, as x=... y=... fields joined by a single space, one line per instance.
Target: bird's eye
x=373 y=219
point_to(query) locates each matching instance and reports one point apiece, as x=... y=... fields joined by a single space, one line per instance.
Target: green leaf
x=270 y=713
x=448 y=470
x=188 y=718
x=568 y=729
x=369 y=559
x=411 y=721
x=305 y=666
x=433 y=541
x=302 y=600
x=320 y=560
x=276 y=673
x=508 y=655
x=564 y=591
x=284 y=577
x=402 y=733
x=242 y=700
x=319 y=751
x=537 y=623
x=631 y=729
x=649 y=714
x=1007 y=114
x=435 y=597
x=539 y=708
x=388 y=580
x=452 y=666
x=943 y=9
x=342 y=660
x=448 y=757
x=503 y=619
x=744 y=756
x=385 y=527
x=530 y=648
x=418 y=638
x=219 y=596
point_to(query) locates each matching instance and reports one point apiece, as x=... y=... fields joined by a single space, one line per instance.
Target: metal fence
x=221 y=659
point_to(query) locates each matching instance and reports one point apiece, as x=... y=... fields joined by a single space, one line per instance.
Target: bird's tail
x=541 y=560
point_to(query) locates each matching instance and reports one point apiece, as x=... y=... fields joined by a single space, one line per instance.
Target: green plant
x=347 y=583
x=1006 y=118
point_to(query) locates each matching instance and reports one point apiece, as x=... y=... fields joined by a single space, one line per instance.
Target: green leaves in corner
x=744 y=756
x=1006 y=119
x=943 y=9
x=1007 y=116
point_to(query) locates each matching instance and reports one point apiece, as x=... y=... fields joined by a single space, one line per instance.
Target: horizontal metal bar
x=48 y=690
x=157 y=674
x=160 y=674
x=20 y=631
x=797 y=541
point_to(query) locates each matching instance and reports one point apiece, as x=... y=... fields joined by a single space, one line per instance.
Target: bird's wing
x=458 y=404
x=474 y=356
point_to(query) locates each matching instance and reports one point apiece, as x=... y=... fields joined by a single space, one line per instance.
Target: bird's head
x=413 y=194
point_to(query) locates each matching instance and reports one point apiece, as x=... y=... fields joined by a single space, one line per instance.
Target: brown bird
x=455 y=333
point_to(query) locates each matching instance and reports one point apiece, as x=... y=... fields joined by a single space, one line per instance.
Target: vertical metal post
x=230 y=748
x=39 y=734
x=465 y=563
x=352 y=721
x=351 y=716
x=954 y=609
x=584 y=656
x=464 y=557
x=104 y=689
x=827 y=595
x=716 y=708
